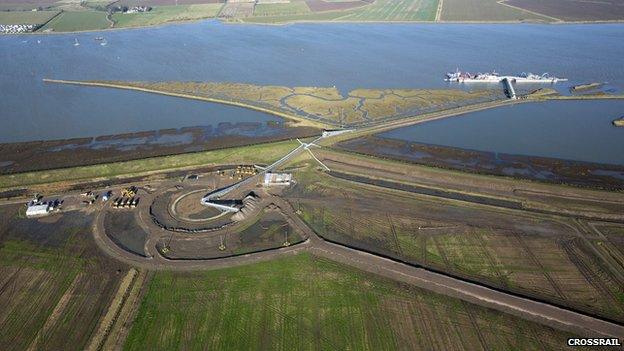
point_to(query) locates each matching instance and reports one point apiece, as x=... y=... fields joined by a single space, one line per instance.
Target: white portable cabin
x=277 y=179
x=37 y=210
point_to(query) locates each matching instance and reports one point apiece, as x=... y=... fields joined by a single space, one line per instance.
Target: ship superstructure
x=493 y=77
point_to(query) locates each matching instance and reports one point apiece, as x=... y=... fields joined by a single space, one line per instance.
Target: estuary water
x=348 y=56
x=571 y=130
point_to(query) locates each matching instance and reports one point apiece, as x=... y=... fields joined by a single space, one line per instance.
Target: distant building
x=277 y=179
x=17 y=28
x=38 y=210
x=137 y=9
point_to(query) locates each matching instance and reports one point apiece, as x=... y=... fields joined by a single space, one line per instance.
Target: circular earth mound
x=181 y=210
x=188 y=207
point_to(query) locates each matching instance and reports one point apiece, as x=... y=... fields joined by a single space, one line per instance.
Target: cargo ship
x=494 y=77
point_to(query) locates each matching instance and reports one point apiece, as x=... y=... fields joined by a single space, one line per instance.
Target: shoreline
x=364 y=130
x=322 y=22
x=298 y=121
x=22 y=157
x=453 y=112
x=565 y=171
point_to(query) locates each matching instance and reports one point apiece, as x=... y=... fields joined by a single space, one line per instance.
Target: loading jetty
x=507 y=81
x=585 y=87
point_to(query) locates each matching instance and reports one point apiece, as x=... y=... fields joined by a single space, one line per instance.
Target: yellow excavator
x=129 y=192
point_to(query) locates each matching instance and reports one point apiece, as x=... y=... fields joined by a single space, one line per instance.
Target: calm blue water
x=345 y=55
x=573 y=130
x=65 y=111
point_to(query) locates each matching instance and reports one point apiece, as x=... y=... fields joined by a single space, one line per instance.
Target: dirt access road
x=522 y=307
x=525 y=308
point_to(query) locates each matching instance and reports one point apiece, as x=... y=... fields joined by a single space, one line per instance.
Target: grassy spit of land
x=319 y=106
x=303 y=302
x=186 y=90
x=263 y=153
x=373 y=105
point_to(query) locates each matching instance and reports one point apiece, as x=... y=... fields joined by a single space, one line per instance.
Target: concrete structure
x=249 y=205
x=277 y=179
x=330 y=133
x=224 y=205
x=209 y=198
x=37 y=210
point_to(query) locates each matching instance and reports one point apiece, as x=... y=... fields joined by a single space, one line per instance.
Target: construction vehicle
x=129 y=192
x=245 y=170
x=35 y=200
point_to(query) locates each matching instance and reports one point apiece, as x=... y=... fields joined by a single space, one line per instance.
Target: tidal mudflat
x=570 y=142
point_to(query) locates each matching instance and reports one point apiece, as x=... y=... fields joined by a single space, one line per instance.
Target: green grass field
x=395 y=10
x=292 y=8
x=26 y=17
x=484 y=10
x=77 y=21
x=312 y=16
x=162 y=14
x=307 y=303
x=262 y=153
x=95 y=20
x=380 y=10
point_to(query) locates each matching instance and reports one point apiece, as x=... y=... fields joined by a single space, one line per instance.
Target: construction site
x=496 y=262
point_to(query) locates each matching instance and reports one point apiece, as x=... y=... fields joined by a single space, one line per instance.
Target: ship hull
x=511 y=79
